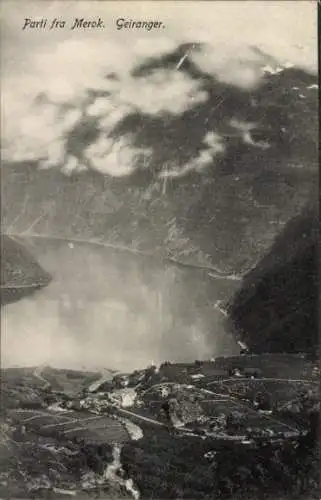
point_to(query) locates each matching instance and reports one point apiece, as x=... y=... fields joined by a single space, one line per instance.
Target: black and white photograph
x=159 y=250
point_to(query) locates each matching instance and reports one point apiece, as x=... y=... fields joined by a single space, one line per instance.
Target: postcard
x=159 y=222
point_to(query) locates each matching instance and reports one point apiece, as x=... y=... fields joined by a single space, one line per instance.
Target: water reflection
x=114 y=309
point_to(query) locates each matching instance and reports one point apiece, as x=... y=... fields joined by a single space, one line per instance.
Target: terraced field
x=68 y=425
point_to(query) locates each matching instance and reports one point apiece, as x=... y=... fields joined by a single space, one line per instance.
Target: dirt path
x=38 y=374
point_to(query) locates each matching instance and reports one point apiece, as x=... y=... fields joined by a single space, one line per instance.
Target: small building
x=252 y=372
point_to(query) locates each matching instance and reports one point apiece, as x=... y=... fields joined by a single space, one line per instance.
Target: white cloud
x=234 y=64
x=245 y=132
x=36 y=129
x=102 y=106
x=71 y=165
x=117 y=158
x=36 y=132
x=206 y=156
x=214 y=142
x=162 y=91
x=55 y=153
x=118 y=113
x=65 y=66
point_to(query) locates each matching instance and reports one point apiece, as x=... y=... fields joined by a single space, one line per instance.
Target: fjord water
x=112 y=308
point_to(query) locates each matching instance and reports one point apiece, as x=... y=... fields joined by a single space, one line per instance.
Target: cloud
x=215 y=147
x=236 y=39
x=235 y=65
x=117 y=158
x=245 y=129
x=37 y=128
x=162 y=91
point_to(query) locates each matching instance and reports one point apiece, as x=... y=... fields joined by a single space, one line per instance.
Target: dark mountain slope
x=276 y=309
x=21 y=275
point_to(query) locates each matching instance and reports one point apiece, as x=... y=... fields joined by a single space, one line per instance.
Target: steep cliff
x=276 y=308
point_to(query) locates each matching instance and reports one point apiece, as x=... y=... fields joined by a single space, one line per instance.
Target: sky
x=277 y=27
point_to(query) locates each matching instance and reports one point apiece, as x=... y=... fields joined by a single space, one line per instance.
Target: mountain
x=163 y=208
x=276 y=308
x=147 y=198
x=209 y=185
x=21 y=275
